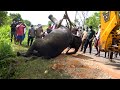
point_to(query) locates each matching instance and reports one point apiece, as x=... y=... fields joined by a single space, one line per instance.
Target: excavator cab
x=110 y=31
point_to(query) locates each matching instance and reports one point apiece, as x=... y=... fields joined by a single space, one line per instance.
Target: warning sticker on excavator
x=106 y=15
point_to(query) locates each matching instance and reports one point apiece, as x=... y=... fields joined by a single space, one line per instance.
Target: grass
x=36 y=69
x=28 y=68
x=13 y=67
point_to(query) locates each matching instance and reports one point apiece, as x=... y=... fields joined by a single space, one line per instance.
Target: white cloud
x=41 y=17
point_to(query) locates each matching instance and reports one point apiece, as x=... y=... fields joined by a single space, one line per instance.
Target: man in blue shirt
x=90 y=37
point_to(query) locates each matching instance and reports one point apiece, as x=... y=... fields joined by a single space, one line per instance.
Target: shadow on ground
x=117 y=65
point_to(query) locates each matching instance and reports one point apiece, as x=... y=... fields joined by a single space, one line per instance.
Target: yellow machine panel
x=109 y=36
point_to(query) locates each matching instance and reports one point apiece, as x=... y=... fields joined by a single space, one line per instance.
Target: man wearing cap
x=90 y=37
x=39 y=31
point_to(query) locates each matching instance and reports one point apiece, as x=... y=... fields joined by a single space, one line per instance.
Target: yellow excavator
x=110 y=32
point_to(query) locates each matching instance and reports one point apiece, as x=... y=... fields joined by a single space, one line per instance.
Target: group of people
x=18 y=30
x=34 y=33
x=89 y=37
x=38 y=32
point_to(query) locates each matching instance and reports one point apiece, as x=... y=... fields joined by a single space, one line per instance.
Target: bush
x=5 y=44
x=5 y=49
x=26 y=38
x=7 y=68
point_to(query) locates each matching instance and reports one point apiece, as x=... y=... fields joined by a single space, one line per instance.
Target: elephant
x=76 y=43
x=51 y=45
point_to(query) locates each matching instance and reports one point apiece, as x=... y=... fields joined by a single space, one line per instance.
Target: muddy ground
x=87 y=66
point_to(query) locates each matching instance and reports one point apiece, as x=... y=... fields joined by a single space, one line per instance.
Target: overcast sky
x=41 y=17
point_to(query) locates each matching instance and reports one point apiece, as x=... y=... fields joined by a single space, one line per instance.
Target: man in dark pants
x=90 y=37
x=39 y=31
x=84 y=36
x=13 y=30
x=31 y=35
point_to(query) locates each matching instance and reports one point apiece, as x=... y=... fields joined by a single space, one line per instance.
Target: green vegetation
x=45 y=27
x=28 y=68
x=28 y=23
x=3 y=17
x=13 y=67
x=94 y=20
x=6 y=49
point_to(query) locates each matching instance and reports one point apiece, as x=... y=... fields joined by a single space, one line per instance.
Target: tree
x=76 y=20
x=49 y=22
x=16 y=16
x=27 y=22
x=84 y=14
x=82 y=17
x=8 y=20
x=3 y=17
x=93 y=20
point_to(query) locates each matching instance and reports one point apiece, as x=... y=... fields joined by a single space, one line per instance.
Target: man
x=84 y=37
x=13 y=31
x=97 y=40
x=20 y=32
x=31 y=35
x=24 y=30
x=80 y=32
x=39 y=31
x=74 y=30
x=89 y=39
x=50 y=26
x=49 y=29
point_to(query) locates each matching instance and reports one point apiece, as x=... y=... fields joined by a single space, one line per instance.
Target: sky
x=41 y=17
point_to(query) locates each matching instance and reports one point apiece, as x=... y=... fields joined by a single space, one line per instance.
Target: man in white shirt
x=97 y=40
x=84 y=36
x=80 y=32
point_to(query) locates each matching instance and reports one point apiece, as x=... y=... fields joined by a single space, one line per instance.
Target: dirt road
x=86 y=66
